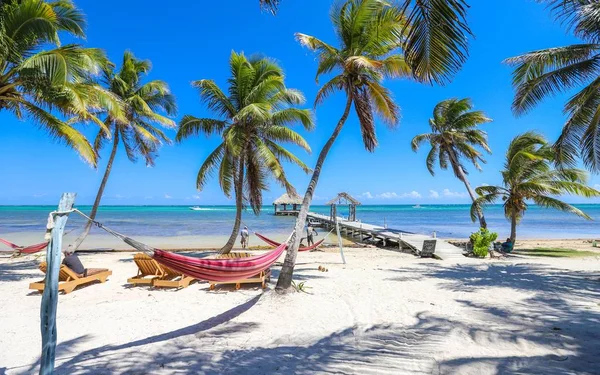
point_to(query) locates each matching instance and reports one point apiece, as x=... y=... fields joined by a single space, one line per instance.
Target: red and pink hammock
x=276 y=244
x=222 y=270
x=25 y=249
x=219 y=269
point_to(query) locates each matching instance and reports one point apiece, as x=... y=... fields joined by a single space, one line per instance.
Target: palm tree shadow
x=72 y=364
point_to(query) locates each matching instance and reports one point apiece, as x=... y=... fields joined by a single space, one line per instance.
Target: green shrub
x=481 y=242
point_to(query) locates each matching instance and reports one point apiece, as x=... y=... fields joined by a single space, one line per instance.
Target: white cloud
x=412 y=194
x=167 y=196
x=453 y=194
x=387 y=195
x=597 y=186
x=119 y=196
x=434 y=194
x=485 y=184
x=148 y=197
x=367 y=195
x=394 y=195
x=195 y=196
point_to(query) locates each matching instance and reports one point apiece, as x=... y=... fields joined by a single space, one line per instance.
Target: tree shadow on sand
x=555 y=330
x=18 y=270
x=378 y=349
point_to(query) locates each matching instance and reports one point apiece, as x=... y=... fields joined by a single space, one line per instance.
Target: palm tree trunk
x=463 y=177
x=513 y=228
x=239 y=201
x=88 y=226
x=287 y=271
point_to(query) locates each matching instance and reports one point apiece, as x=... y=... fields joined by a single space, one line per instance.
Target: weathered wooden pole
x=50 y=296
x=339 y=236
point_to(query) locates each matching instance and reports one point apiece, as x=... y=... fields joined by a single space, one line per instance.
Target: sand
x=384 y=312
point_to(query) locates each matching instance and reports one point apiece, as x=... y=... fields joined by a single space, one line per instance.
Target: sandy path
x=383 y=313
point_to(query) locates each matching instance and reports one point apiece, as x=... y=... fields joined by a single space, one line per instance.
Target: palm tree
x=528 y=175
x=547 y=72
x=379 y=40
x=269 y=5
x=455 y=136
x=139 y=134
x=252 y=122
x=34 y=82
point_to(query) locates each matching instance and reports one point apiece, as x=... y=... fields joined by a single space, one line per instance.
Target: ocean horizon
x=447 y=220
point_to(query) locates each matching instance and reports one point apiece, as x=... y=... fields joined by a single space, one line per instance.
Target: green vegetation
x=455 y=137
x=481 y=241
x=379 y=40
x=528 y=175
x=254 y=119
x=33 y=80
x=555 y=252
x=138 y=132
x=545 y=73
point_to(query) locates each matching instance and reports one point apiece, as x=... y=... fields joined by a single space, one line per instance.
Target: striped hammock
x=25 y=249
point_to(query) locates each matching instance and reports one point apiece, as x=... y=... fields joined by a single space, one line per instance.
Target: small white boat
x=196 y=208
x=417 y=206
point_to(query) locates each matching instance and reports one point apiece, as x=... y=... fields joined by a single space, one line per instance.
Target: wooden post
x=50 y=296
x=339 y=236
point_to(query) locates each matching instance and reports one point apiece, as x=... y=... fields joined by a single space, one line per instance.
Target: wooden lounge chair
x=428 y=248
x=150 y=272
x=69 y=280
x=260 y=278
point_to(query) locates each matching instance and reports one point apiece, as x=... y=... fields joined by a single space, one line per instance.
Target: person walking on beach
x=310 y=231
x=245 y=235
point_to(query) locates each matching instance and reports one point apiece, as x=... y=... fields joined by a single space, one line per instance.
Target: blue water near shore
x=449 y=221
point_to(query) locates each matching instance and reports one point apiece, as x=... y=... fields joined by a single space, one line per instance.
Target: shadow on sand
x=557 y=319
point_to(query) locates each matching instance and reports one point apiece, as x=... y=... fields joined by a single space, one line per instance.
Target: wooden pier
x=388 y=236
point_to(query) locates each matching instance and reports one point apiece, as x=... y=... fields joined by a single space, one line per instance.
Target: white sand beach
x=384 y=312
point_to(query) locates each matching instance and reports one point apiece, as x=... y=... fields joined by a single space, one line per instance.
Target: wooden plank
x=50 y=297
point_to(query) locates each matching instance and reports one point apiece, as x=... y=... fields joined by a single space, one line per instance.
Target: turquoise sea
x=449 y=221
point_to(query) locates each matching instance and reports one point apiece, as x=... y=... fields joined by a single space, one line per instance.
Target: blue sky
x=193 y=41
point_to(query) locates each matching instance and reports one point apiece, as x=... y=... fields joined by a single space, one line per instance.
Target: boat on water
x=417 y=206
x=196 y=208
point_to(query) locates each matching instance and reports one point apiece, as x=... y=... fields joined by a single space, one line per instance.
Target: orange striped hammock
x=275 y=244
x=25 y=249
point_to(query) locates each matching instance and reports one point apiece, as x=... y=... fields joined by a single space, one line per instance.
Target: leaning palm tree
x=253 y=120
x=528 y=175
x=140 y=134
x=379 y=40
x=545 y=73
x=455 y=137
x=33 y=82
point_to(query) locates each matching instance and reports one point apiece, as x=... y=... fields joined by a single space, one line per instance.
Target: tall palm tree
x=528 y=175
x=33 y=82
x=252 y=122
x=140 y=134
x=379 y=40
x=455 y=137
x=547 y=72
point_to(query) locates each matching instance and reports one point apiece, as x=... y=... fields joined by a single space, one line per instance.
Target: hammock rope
x=301 y=249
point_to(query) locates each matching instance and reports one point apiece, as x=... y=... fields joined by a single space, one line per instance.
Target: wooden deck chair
x=69 y=280
x=260 y=278
x=148 y=270
x=428 y=248
x=172 y=279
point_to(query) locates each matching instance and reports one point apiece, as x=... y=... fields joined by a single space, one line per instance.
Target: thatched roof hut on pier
x=287 y=205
